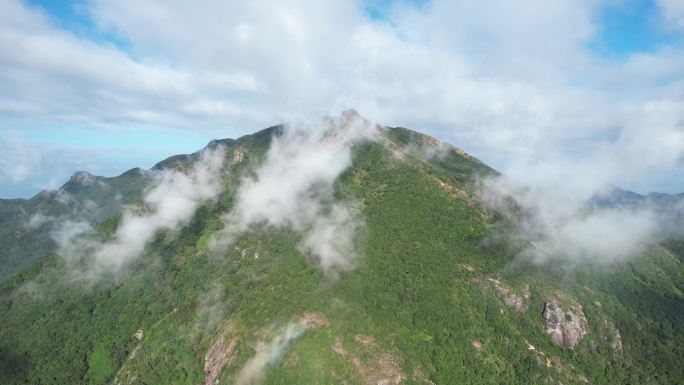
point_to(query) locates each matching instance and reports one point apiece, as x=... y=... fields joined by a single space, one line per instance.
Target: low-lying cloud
x=294 y=187
x=169 y=205
x=559 y=223
x=211 y=307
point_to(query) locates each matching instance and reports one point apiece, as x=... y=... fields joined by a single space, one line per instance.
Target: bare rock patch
x=219 y=355
x=313 y=320
x=566 y=324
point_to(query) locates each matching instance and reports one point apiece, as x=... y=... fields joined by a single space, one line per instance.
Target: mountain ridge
x=437 y=292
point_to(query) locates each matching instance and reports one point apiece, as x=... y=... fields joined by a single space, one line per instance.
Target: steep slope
x=26 y=225
x=434 y=295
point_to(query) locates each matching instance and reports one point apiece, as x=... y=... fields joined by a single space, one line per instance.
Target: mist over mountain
x=338 y=250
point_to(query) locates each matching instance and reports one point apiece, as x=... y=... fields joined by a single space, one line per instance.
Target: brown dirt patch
x=381 y=368
x=338 y=349
x=313 y=320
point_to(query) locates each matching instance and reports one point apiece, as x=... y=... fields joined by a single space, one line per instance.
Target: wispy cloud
x=673 y=11
x=19 y=161
x=294 y=187
x=167 y=206
x=267 y=355
x=559 y=224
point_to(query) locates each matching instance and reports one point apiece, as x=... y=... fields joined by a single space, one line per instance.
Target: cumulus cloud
x=268 y=354
x=56 y=76
x=294 y=187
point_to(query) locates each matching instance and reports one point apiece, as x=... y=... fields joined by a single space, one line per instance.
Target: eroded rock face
x=378 y=367
x=616 y=342
x=381 y=368
x=219 y=355
x=512 y=298
x=338 y=349
x=313 y=320
x=239 y=155
x=611 y=334
x=566 y=325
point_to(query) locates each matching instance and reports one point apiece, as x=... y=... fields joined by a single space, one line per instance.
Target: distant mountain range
x=614 y=196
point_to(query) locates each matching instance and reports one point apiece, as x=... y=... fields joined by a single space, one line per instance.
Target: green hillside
x=436 y=296
x=25 y=232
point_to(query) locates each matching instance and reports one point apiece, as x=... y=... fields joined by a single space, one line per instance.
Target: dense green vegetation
x=414 y=306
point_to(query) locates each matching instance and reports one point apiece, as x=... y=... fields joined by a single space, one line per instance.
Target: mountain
x=345 y=253
x=613 y=196
x=26 y=224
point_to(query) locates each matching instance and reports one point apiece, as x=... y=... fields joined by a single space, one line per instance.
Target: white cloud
x=19 y=160
x=69 y=234
x=40 y=165
x=515 y=84
x=558 y=225
x=168 y=206
x=673 y=11
x=294 y=187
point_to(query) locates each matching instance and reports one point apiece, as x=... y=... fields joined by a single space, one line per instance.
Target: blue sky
x=74 y=16
x=631 y=27
x=109 y=85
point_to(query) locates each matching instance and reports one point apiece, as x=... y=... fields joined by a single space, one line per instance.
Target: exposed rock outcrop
x=612 y=335
x=513 y=298
x=239 y=155
x=82 y=177
x=379 y=367
x=219 y=355
x=477 y=345
x=313 y=320
x=338 y=349
x=566 y=324
x=452 y=190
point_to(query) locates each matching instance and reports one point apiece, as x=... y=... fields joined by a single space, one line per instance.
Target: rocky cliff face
x=566 y=324
x=513 y=298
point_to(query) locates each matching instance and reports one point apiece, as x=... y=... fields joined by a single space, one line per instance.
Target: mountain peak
x=351 y=114
x=82 y=178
